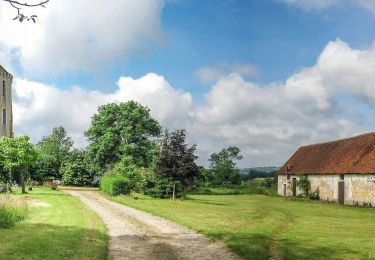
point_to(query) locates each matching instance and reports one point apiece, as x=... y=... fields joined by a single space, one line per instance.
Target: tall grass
x=12 y=210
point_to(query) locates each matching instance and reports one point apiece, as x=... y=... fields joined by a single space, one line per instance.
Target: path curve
x=135 y=234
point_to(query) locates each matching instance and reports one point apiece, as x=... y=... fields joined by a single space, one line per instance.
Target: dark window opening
x=342 y=177
x=4 y=116
x=288 y=176
x=4 y=88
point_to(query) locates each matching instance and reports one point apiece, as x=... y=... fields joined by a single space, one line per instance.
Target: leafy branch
x=19 y=6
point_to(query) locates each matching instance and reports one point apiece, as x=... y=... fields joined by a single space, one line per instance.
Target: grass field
x=58 y=227
x=259 y=227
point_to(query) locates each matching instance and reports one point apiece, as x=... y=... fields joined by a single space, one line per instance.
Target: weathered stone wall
x=358 y=188
x=6 y=103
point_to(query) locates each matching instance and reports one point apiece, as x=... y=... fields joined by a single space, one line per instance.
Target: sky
x=265 y=75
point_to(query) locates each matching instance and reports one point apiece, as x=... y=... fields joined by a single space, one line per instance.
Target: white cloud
x=268 y=122
x=211 y=74
x=76 y=36
x=39 y=107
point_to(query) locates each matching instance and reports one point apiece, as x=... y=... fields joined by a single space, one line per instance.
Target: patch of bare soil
x=135 y=234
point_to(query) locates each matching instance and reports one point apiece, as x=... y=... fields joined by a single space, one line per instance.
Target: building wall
x=6 y=103
x=358 y=188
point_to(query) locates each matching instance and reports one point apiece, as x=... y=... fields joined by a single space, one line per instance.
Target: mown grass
x=61 y=227
x=12 y=210
x=260 y=227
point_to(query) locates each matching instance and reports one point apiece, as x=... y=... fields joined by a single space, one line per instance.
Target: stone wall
x=358 y=188
x=6 y=103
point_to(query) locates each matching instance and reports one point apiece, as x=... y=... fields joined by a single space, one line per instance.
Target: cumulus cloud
x=39 y=107
x=70 y=37
x=211 y=74
x=268 y=122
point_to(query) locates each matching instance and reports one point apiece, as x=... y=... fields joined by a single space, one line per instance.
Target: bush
x=3 y=187
x=128 y=170
x=75 y=170
x=12 y=210
x=51 y=184
x=115 y=185
x=158 y=187
x=314 y=195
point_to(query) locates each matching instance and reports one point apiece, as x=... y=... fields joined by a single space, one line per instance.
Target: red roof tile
x=351 y=155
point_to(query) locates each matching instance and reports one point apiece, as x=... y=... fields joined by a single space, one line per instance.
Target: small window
x=341 y=177
x=4 y=88
x=288 y=176
x=4 y=116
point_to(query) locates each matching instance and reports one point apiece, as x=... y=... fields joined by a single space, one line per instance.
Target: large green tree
x=176 y=161
x=118 y=130
x=223 y=166
x=17 y=154
x=75 y=171
x=54 y=149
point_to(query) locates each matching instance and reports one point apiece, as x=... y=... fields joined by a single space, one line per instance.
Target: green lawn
x=259 y=227
x=66 y=229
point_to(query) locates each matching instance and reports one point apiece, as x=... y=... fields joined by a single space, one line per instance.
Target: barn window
x=4 y=88
x=288 y=176
x=341 y=177
x=4 y=116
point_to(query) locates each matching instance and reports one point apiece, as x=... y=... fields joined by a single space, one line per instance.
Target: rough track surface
x=135 y=234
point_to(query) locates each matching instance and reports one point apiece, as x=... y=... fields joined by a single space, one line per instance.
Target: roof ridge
x=338 y=140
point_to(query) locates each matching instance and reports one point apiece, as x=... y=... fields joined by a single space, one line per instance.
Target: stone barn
x=342 y=170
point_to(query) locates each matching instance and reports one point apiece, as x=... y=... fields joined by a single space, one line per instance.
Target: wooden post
x=174 y=191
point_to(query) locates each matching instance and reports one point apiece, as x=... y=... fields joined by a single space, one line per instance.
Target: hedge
x=115 y=185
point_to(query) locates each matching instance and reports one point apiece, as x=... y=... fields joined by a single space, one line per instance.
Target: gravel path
x=135 y=234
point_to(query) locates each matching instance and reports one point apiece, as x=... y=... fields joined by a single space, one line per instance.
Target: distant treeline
x=253 y=174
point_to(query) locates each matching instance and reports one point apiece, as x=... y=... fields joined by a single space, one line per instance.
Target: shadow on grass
x=202 y=201
x=43 y=241
x=259 y=246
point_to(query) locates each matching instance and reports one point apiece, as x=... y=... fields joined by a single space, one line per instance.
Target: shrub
x=156 y=186
x=314 y=195
x=75 y=170
x=12 y=210
x=304 y=184
x=128 y=170
x=3 y=187
x=115 y=185
x=53 y=185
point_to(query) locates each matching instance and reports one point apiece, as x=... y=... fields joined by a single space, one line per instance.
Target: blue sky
x=266 y=75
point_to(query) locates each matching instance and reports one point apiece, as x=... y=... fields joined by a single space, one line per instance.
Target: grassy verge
x=12 y=210
x=260 y=227
x=58 y=227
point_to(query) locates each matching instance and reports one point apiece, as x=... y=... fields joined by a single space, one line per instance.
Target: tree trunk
x=22 y=179
x=174 y=191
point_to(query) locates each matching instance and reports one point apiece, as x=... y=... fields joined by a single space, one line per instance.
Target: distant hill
x=259 y=169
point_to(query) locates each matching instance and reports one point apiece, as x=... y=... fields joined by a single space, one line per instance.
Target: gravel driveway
x=135 y=234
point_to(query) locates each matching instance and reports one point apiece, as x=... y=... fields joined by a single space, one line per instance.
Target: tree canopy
x=176 y=160
x=19 y=6
x=17 y=154
x=125 y=129
x=54 y=149
x=223 y=167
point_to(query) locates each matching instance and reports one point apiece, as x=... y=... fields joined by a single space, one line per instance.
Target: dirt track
x=135 y=234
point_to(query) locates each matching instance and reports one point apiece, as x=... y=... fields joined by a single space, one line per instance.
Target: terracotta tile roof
x=351 y=155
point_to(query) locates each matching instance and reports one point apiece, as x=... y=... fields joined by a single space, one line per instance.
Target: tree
x=119 y=130
x=54 y=149
x=223 y=166
x=18 y=154
x=176 y=161
x=19 y=6
x=75 y=171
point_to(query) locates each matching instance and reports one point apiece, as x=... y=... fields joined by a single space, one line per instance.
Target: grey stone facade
x=6 y=115
x=358 y=188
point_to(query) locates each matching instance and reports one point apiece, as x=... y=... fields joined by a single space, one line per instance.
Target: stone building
x=6 y=116
x=342 y=170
